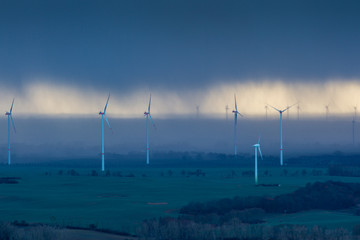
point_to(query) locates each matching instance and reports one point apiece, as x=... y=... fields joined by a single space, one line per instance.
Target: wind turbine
x=102 y=134
x=355 y=111
x=9 y=114
x=235 y=117
x=147 y=114
x=281 y=146
x=226 y=109
x=257 y=148
x=298 y=111
x=353 y=125
x=327 y=112
x=353 y=130
x=266 y=110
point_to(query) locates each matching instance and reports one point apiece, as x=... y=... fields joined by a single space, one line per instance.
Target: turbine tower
x=257 y=148
x=103 y=114
x=327 y=112
x=9 y=115
x=355 y=112
x=226 y=110
x=353 y=130
x=298 y=112
x=353 y=125
x=281 y=145
x=235 y=118
x=147 y=114
x=266 y=110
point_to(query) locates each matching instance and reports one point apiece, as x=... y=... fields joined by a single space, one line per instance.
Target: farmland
x=122 y=198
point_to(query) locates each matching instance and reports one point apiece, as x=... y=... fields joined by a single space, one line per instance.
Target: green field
x=121 y=203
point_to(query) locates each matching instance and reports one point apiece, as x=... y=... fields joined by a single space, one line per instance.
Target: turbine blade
x=240 y=114
x=107 y=101
x=12 y=105
x=149 y=104
x=289 y=107
x=12 y=123
x=152 y=121
x=274 y=108
x=235 y=103
x=260 y=153
x=259 y=139
x=107 y=121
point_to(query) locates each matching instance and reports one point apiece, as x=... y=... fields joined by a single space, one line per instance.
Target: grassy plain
x=121 y=203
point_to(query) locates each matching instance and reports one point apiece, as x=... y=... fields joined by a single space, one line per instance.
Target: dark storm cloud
x=177 y=43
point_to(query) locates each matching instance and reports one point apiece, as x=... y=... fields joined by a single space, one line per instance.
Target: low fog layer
x=81 y=137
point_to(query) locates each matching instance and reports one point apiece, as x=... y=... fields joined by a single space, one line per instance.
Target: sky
x=60 y=59
x=179 y=50
x=177 y=44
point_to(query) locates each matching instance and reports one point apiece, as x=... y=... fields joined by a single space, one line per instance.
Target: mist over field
x=59 y=121
x=81 y=137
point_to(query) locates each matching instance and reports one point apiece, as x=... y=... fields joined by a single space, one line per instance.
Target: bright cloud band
x=341 y=96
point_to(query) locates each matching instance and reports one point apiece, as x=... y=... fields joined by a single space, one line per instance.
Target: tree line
x=172 y=229
x=237 y=218
x=328 y=195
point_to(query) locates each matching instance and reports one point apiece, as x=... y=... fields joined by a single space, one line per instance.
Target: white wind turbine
x=235 y=118
x=298 y=111
x=226 y=110
x=353 y=125
x=281 y=145
x=266 y=112
x=355 y=112
x=353 y=130
x=257 y=148
x=147 y=114
x=9 y=114
x=102 y=134
x=327 y=112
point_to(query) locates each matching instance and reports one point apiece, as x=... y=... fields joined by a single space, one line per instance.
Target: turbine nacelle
x=237 y=113
x=257 y=147
x=7 y=113
x=283 y=110
x=101 y=113
x=146 y=113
